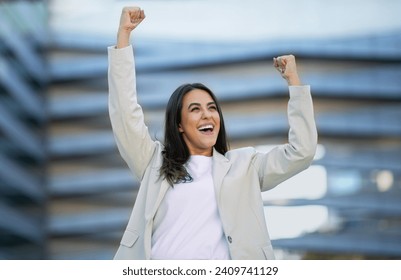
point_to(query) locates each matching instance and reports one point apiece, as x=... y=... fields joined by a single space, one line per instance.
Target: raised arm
x=132 y=137
x=289 y=159
x=130 y=18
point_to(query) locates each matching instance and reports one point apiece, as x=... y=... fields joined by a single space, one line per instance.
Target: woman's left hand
x=287 y=67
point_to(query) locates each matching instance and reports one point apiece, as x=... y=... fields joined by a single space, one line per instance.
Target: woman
x=197 y=200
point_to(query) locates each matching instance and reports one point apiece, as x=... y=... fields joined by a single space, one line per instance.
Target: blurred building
x=65 y=193
x=23 y=130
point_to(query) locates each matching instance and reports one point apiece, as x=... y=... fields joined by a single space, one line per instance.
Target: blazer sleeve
x=127 y=120
x=289 y=159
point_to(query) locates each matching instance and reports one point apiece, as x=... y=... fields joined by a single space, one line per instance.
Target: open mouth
x=206 y=129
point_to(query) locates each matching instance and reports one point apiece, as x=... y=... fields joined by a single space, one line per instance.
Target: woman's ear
x=180 y=128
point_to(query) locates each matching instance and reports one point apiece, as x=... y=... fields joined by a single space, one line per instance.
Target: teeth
x=209 y=126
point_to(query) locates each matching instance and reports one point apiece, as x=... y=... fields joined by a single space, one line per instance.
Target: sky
x=230 y=20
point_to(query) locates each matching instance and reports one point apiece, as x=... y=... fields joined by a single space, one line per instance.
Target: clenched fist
x=287 y=67
x=130 y=18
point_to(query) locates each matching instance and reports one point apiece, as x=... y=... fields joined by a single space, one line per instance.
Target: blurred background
x=65 y=193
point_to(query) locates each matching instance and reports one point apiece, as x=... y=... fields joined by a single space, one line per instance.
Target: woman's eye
x=212 y=108
x=194 y=109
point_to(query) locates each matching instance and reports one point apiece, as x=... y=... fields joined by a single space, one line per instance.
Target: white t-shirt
x=188 y=218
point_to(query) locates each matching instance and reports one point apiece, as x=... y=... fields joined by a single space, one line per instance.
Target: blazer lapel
x=221 y=165
x=150 y=212
x=152 y=207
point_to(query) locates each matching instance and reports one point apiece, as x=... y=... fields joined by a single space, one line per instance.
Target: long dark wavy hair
x=176 y=152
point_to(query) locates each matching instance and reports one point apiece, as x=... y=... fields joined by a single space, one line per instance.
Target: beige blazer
x=239 y=176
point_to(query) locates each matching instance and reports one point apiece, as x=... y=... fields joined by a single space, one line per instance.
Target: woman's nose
x=206 y=114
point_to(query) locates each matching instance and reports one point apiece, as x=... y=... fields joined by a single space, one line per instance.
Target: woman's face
x=200 y=122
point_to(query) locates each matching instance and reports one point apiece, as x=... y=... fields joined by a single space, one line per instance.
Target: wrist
x=123 y=38
x=124 y=31
x=294 y=81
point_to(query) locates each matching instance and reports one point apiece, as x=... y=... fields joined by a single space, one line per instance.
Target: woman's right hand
x=130 y=18
x=287 y=67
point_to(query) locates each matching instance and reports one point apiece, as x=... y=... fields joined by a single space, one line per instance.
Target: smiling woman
x=193 y=125
x=198 y=199
x=180 y=141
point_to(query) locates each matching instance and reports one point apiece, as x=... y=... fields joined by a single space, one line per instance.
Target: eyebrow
x=198 y=104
